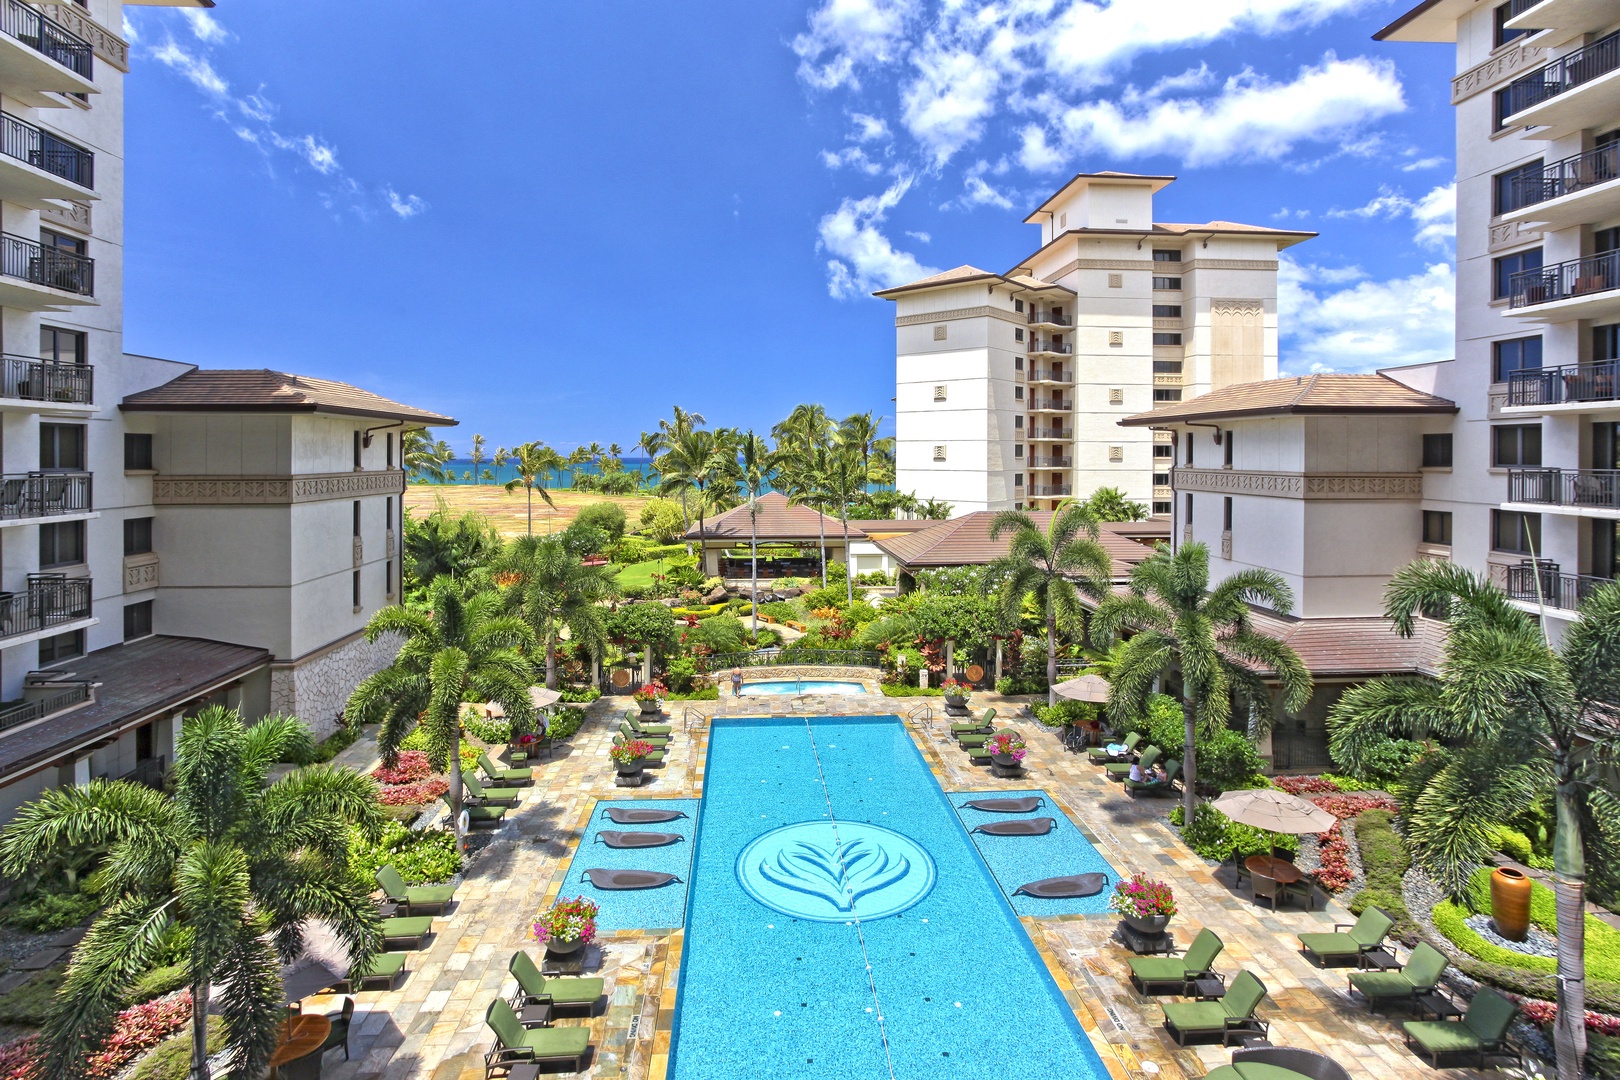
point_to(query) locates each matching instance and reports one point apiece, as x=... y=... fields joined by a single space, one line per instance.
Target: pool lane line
x=860 y=934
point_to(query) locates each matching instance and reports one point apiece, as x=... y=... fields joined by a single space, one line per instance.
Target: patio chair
x=407 y=932
x=480 y=815
x=515 y=1043
x=339 y=1035
x=490 y=796
x=1267 y=888
x=384 y=967
x=412 y=897
x=1099 y=755
x=1279 y=1063
x=1421 y=975
x=498 y=775
x=629 y=732
x=534 y=987
x=1232 y=1013
x=633 y=718
x=1176 y=973
x=1120 y=771
x=1366 y=934
x=1172 y=770
x=1481 y=1030
x=970 y=726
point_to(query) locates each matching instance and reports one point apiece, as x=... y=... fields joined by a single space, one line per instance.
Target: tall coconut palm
x=693 y=462
x=553 y=590
x=465 y=649
x=801 y=474
x=1513 y=718
x=477 y=457
x=1057 y=565
x=680 y=424
x=755 y=462
x=858 y=433
x=422 y=457
x=534 y=462
x=845 y=477
x=230 y=867
x=1179 y=621
x=805 y=428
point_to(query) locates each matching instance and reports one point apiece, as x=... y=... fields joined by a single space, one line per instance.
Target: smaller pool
x=795 y=687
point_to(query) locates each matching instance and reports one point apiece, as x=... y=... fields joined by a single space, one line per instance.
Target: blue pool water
x=635 y=909
x=1018 y=860
x=781 y=687
x=841 y=925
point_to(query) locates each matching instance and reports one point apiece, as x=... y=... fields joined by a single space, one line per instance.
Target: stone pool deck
x=432 y=1026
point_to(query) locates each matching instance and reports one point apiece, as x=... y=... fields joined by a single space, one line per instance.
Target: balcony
x=1571 y=192
x=38 y=58
x=1051 y=491
x=36 y=166
x=1049 y=347
x=59 y=385
x=1564 y=20
x=1052 y=434
x=1048 y=317
x=51 y=601
x=1039 y=462
x=1588 y=385
x=1578 y=490
x=60 y=698
x=29 y=496
x=1543 y=583
x=1586 y=288
x=39 y=278
x=1052 y=375
x=1580 y=89
x=1044 y=404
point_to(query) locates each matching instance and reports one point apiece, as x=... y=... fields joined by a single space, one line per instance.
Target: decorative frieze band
x=962 y=313
x=1230 y=264
x=1508 y=233
x=103 y=42
x=73 y=215
x=1495 y=70
x=1301 y=486
x=1237 y=308
x=273 y=490
x=140 y=572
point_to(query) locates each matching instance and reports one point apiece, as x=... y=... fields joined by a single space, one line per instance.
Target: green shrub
x=1227 y=760
x=641 y=623
x=1213 y=835
x=609 y=517
x=157 y=982
x=781 y=610
x=1602 y=940
x=1385 y=860
x=830 y=597
x=308 y=752
x=706 y=693
x=767 y=638
x=1349 y=783
x=1387 y=760
x=1065 y=712
x=50 y=909
x=661 y=519
x=564 y=723
x=909 y=690
x=421 y=857
x=1514 y=844
x=29 y=1003
x=496 y=731
x=584 y=695
x=679 y=673
x=723 y=633
x=171 y=1058
x=415 y=739
x=1602 y=1055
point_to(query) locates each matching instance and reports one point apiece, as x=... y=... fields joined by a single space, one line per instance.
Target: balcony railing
x=1563 y=74
x=42 y=494
x=1049 y=318
x=25 y=142
x=1052 y=491
x=51 y=600
x=1051 y=375
x=1061 y=347
x=32 y=261
x=26 y=711
x=44 y=36
x=45 y=380
x=1598 y=488
x=1543 y=583
x=1056 y=404
x=1061 y=434
x=1051 y=462
x=1598 y=165
x=1565 y=385
x=1562 y=281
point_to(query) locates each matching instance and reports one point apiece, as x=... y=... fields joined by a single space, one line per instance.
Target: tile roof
x=263 y=390
x=965 y=541
x=1323 y=393
x=892 y=526
x=957 y=276
x=1357 y=646
x=778 y=519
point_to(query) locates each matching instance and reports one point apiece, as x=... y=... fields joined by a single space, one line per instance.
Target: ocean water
x=636 y=909
x=794 y=687
x=1018 y=860
x=841 y=926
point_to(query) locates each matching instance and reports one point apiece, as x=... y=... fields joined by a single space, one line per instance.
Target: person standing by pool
x=736 y=682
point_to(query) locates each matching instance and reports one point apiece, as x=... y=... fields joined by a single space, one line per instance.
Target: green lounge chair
x=1482 y=1029
x=490 y=796
x=978 y=754
x=1172 y=770
x=515 y=1043
x=1420 y=976
x=1365 y=935
x=633 y=718
x=480 y=815
x=1099 y=754
x=1176 y=973
x=498 y=775
x=1120 y=771
x=629 y=732
x=383 y=967
x=563 y=993
x=657 y=753
x=413 y=896
x=1232 y=1013
x=970 y=727
x=407 y=932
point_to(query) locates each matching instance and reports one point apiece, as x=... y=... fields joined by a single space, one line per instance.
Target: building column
x=81 y=772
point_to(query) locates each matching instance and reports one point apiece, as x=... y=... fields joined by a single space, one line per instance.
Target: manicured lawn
x=639 y=575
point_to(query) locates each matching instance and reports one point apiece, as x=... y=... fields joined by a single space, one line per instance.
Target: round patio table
x=301 y=1035
x=1269 y=866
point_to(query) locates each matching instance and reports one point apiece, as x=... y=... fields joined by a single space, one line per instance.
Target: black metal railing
x=1059 y=434
x=148 y=773
x=1596 y=166
x=733 y=567
x=42 y=494
x=28 y=26
x=1543 y=583
x=1305 y=748
x=1051 y=491
x=1050 y=375
x=789 y=657
x=1568 y=383
x=1051 y=462
x=32 y=261
x=1049 y=318
x=50 y=600
x=25 y=142
x=1562 y=281
x=1062 y=347
x=39 y=708
x=46 y=380
x=1053 y=404
x=1599 y=488
x=1563 y=74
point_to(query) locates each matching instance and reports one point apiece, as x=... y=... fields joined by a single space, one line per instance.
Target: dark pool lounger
x=1039 y=826
x=628 y=879
x=626 y=815
x=1006 y=806
x=1064 y=888
x=636 y=839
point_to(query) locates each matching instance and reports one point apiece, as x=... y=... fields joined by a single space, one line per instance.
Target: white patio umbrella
x=1092 y=688
x=1275 y=811
x=543 y=697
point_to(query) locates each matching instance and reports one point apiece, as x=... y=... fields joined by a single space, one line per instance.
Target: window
x=61 y=543
x=1437 y=451
x=1504 y=12
x=137 y=452
x=1166 y=255
x=1515 y=532
x=1018 y=305
x=63 y=242
x=1167 y=339
x=1167 y=283
x=1018 y=479
x=137 y=620
x=1018 y=333
x=1226 y=511
x=1606 y=342
x=53 y=650
x=1605 y=240
x=62 y=346
x=1518 y=354
x=1189 y=449
x=1161 y=508
x=356 y=590
x=357 y=517
x=1227 y=443
x=1161 y=479
x=357 y=449
x=137 y=535
x=1501 y=107
x=1162 y=394
x=1167 y=311
x=1188 y=499
x=1018 y=363
x=1018 y=421
x=388 y=512
x=388 y=577
x=1018 y=451
x=1018 y=393
x=1436 y=527
x=389 y=461
x=1163 y=450
x=1519 y=186
x=1508 y=265
x=1515 y=445
x=61 y=447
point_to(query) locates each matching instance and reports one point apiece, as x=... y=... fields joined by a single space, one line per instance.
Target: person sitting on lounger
x=1157 y=774
x=1136 y=773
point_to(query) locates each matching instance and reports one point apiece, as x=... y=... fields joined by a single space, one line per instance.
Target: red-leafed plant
x=418 y=794
x=410 y=766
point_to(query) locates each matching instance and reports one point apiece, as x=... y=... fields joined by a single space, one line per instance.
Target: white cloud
x=1036 y=154
x=946 y=106
x=196 y=69
x=869 y=128
x=1434 y=214
x=1198 y=78
x=852 y=156
x=1369 y=324
x=846 y=35
x=406 y=206
x=204 y=26
x=920 y=237
x=1424 y=163
x=863 y=259
x=130 y=33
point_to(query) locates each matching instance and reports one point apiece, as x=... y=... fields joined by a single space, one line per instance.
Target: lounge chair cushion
x=631 y=733
x=408 y=928
x=547 y=1043
x=386 y=965
x=1120 y=771
x=652 y=729
x=1382 y=984
x=561 y=991
x=1253 y=1070
x=1158 y=969
x=1099 y=754
x=1195 y=1016
x=1419 y=976
x=1442 y=1036
x=496 y=773
x=1330 y=944
x=484 y=813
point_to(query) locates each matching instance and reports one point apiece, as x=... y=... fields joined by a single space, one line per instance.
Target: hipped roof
x=1301 y=394
x=263 y=390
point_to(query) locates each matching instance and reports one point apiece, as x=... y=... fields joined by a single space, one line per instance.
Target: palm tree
x=683 y=423
x=1112 y=504
x=1057 y=564
x=502 y=456
x=846 y=476
x=534 y=461
x=447 y=543
x=1180 y=621
x=552 y=589
x=1514 y=718
x=465 y=649
x=477 y=457
x=421 y=456
x=756 y=462
x=229 y=867
x=693 y=462
x=859 y=433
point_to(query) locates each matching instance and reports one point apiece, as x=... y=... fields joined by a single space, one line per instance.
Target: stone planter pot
x=1151 y=924
x=1510 y=903
x=1004 y=761
x=630 y=768
x=955 y=701
x=555 y=947
x=650 y=708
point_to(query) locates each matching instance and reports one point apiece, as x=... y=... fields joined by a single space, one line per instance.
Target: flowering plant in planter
x=1008 y=745
x=567 y=921
x=653 y=691
x=1142 y=898
x=956 y=687
x=626 y=752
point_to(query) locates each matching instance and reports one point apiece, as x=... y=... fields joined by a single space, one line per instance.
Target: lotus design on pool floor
x=830 y=872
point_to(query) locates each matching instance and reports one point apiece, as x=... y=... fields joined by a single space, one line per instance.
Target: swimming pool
x=795 y=687
x=840 y=923
x=1018 y=860
x=636 y=909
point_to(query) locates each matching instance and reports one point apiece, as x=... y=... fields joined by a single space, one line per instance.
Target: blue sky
x=555 y=221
